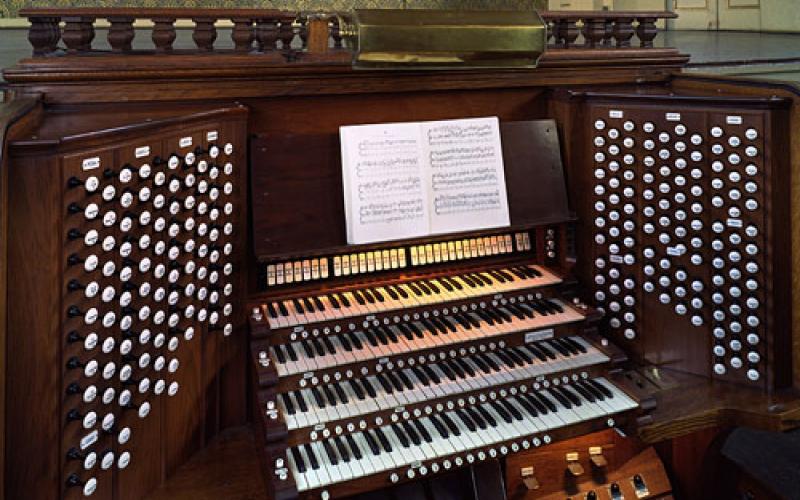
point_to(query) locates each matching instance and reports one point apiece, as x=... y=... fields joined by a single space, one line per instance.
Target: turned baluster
x=163 y=33
x=302 y=31
x=242 y=34
x=646 y=31
x=121 y=33
x=204 y=33
x=266 y=34
x=44 y=35
x=78 y=33
x=608 y=35
x=593 y=32
x=286 y=33
x=336 y=33
x=569 y=32
x=623 y=31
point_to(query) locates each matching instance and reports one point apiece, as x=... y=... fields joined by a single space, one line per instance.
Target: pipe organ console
x=175 y=263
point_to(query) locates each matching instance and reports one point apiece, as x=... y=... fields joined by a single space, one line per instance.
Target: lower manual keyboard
x=431 y=382
x=443 y=441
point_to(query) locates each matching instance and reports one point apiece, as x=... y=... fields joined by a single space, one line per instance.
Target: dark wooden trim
x=10 y=114
x=620 y=14
x=146 y=13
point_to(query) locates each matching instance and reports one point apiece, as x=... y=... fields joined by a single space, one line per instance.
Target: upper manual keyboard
x=290 y=312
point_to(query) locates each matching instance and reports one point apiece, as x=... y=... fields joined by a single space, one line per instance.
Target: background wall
x=9 y=8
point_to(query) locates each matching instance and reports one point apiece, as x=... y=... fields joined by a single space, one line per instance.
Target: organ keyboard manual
x=533 y=260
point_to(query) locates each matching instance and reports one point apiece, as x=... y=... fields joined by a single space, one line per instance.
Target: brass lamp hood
x=444 y=39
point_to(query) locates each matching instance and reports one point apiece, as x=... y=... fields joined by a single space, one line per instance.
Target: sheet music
x=385 y=198
x=467 y=179
x=404 y=180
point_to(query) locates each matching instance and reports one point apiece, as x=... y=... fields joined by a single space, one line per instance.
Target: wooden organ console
x=175 y=264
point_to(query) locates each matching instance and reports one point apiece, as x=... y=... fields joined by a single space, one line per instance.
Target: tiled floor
x=724 y=48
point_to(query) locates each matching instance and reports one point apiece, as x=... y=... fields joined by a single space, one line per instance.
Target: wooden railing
x=602 y=29
x=72 y=31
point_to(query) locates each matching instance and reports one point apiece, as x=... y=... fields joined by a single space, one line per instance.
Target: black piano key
x=334 y=301
x=414 y=288
x=356 y=341
x=433 y=286
x=341 y=448
x=441 y=428
x=464 y=366
x=523 y=353
x=282 y=307
x=344 y=300
x=600 y=387
x=354 y=447
x=569 y=349
x=312 y=457
x=318 y=304
x=455 y=283
x=383 y=440
x=340 y=392
x=309 y=305
x=373 y=445
x=450 y=424
x=381 y=334
x=402 y=292
x=421 y=376
x=512 y=353
x=447 y=371
x=534 y=272
x=485 y=316
x=298 y=459
x=359 y=298
x=466 y=279
x=501 y=411
x=411 y=433
x=390 y=334
x=432 y=329
x=424 y=287
x=378 y=295
x=504 y=314
x=510 y=409
x=279 y=354
x=506 y=358
x=461 y=321
x=445 y=284
x=357 y=389
x=404 y=378
x=287 y=402
x=465 y=417
x=587 y=395
x=490 y=361
x=318 y=397
x=329 y=394
x=512 y=309
x=528 y=406
x=473 y=320
x=518 y=273
x=546 y=350
x=327 y=341
x=455 y=367
x=385 y=383
x=481 y=364
x=598 y=396
x=307 y=348
x=565 y=402
x=401 y=436
x=290 y=352
x=390 y=290
x=396 y=382
x=318 y=346
x=298 y=306
x=368 y=295
x=547 y=401
x=301 y=402
x=576 y=345
x=494 y=274
x=477 y=418
x=344 y=338
x=426 y=436
x=416 y=330
x=535 y=402
x=534 y=348
x=271 y=309
x=431 y=374
x=558 y=346
x=367 y=383
x=371 y=337
x=555 y=305
x=486 y=415
x=538 y=307
x=505 y=274
x=406 y=331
